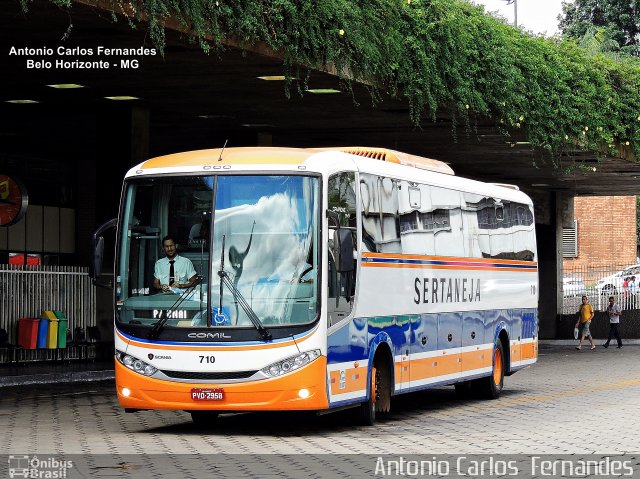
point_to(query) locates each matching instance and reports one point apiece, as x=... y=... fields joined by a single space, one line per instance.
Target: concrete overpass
x=190 y=100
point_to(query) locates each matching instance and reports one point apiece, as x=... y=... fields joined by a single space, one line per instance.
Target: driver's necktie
x=172 y=272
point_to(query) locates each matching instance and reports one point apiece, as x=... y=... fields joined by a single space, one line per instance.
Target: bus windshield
x=172 y=267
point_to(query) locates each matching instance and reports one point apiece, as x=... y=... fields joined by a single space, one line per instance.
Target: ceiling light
x=323 y=91
x=273 y=78
x=257 y=125
x=217 y=117
x=122 y=98
x=66 y=86
x=22 y=102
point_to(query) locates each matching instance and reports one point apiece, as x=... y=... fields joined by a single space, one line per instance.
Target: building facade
x=605 y=234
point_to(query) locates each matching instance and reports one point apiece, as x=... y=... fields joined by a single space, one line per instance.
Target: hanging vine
x=435 y=54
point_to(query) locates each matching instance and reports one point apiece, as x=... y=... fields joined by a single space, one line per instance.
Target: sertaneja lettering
x=446 y=290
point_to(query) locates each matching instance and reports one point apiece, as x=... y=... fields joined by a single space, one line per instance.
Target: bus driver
x=173 y=271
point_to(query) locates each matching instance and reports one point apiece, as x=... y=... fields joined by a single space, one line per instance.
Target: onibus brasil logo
x=34 y=467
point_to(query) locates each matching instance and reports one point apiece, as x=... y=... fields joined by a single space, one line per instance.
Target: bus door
x=449 y=362
x=424 y=345
x=474 y=357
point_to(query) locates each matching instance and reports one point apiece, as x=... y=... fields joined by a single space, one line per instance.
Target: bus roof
x=291 y=156
x=231 y=156
x=365 y=160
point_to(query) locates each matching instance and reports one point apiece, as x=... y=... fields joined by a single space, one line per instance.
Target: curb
x=56 y=378
x=573 y=342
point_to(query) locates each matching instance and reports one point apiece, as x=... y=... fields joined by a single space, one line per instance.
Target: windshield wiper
x=253 y=317
x=157 y=327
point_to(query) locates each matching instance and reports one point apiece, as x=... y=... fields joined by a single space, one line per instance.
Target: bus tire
x=379 y=395
x=367 y=409
x=204 y=418
x=491 y=387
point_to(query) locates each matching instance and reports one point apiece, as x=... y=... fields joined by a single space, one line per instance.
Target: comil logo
x=41 y=468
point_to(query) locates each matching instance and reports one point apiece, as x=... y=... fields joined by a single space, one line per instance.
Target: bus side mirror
x=343 y=250
x=97 y=246
x=98 y=254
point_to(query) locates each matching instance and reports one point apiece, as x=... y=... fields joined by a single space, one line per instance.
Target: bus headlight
x=135 y=364
x=291 y=364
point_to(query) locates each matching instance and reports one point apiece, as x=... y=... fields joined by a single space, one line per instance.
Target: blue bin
x=43 y=330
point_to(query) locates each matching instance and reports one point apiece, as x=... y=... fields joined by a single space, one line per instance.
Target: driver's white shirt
x=182 y=268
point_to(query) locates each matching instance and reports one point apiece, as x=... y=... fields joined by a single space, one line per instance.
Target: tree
x=617 y=20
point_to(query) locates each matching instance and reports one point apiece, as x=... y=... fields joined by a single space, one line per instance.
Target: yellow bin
x=52 y=333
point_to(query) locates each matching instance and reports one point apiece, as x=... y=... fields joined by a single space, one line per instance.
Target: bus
x=326 y=279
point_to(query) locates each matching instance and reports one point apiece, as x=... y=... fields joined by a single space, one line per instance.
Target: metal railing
x=578 y=281
x=27 y=291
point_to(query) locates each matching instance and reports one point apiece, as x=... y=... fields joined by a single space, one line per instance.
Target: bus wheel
x=204 y=418
x=367 y=409
x=379 y=397
x=492 y=386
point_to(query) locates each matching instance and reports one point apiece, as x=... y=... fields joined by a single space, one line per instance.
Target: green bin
x=62 y=333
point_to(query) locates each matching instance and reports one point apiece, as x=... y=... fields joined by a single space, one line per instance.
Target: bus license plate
x=198 y=394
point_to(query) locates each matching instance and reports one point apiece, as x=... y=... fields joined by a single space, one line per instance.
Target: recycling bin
x=28 y=333
x=52 y=335
x=62 y=332
x=43 y=332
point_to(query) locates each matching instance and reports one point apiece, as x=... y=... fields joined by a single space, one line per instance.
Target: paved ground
x=571 y=402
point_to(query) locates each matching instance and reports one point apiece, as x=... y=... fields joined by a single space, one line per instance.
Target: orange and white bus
x=325 y=279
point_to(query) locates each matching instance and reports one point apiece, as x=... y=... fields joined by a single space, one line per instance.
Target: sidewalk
x=24 y=374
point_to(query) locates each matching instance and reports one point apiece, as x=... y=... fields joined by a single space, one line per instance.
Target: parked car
x=612 y=284
x=573 y=286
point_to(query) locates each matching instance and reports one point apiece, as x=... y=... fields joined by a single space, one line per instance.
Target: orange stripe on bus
x=355 y=380
x=530 y=350
x=457 y=259
x=440 y=365
x=430 y=266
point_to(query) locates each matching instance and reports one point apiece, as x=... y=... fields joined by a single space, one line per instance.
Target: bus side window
x=341 y=287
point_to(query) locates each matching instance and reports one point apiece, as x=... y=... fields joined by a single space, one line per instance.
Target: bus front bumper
x=303 y=389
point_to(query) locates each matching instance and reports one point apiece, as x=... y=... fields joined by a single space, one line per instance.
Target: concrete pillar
x=549 y=241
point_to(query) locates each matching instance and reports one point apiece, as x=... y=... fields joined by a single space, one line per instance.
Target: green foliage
x=618 y=20
x=437 y=55
x=638 y=219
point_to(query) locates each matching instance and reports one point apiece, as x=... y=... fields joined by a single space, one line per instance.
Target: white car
x=612 y=284
x=573 y=286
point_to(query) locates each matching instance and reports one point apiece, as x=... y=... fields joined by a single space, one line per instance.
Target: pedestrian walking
x=585 y=315
x=614 y=322
x=625 y=290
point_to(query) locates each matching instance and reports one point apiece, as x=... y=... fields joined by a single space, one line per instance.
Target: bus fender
x=374 y=344
x=502 y=329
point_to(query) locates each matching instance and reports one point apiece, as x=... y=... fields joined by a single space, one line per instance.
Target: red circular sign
x=13 y=200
